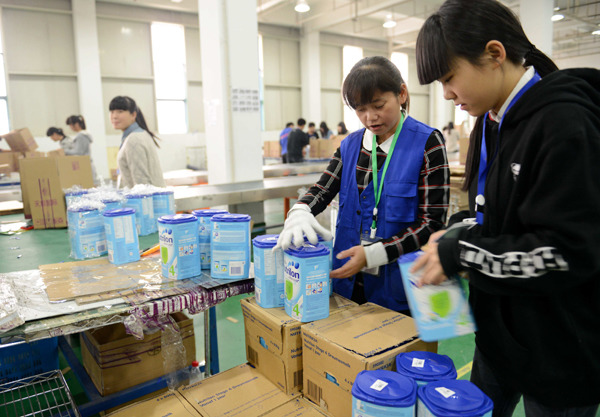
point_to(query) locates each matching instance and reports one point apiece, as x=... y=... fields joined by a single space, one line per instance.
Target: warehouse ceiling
x=364 y=18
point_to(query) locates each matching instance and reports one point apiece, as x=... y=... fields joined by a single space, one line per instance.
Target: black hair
x=71 y=120
x=323 y=126
x=369 y=75
x=52 y=130
x=311 y=124
x=450 y=126
x=301 y=122
x=128 y=104
x=343 y=126
x=289 y=124
x=462 y=29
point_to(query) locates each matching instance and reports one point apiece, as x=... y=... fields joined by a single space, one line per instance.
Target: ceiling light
x=176 y=1
x=389 y=22
x=557 y=17
x=302 y=6
x=596 y=32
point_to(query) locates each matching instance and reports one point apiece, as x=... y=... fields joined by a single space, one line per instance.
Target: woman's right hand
x=299 y=223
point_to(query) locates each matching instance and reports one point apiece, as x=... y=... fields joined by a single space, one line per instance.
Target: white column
x=310 y=66
x=535 y=18
x=230 y=81
x=89 y=80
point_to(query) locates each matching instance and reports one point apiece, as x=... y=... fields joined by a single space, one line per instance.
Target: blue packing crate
x=28 y=359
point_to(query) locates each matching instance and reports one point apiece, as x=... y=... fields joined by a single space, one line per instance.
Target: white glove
x=301 y=222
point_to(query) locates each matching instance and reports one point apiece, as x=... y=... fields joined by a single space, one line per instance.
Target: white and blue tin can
x=306 y=276
x=268 y=272
x=230 y=246
x=144 y=212
x=110 y=204
x=121 y=236
x=381 y=393
x=329 y=245
x=453 y=398
x=71 y=196
x=178 y=238
x=425 y=367
x=86 y=232
x=163 y=202
x=204 y=232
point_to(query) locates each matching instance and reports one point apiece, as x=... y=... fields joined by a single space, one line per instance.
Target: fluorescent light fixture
x=596 y=32
x=556 y=17
x=389 y=22
x=302 y=6
x=176 y=1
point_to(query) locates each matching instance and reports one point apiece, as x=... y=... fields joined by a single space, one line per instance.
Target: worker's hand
x=429 y=265
x=357 y=261
x=299 y=223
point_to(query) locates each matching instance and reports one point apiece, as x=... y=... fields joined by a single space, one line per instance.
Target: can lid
x=307 y=250
x=410 y=257
x=385 y=388
x=163 y=192
x=455 y=397
x=208 y=212
x=76 y=193
x=230 y=218
x=119 y=212
x=177 y=218
x=265 y=241
x=425 y=366
x=82 y=209
x=319 y=237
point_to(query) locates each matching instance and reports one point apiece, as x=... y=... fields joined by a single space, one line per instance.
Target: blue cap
x=308 y=250
x=81 y=209
x=454 y=398
x=265 y=241
x=410 y=257
x=163 y=192
x=385 y=388
x=177 y=218
x=208 y=212
x=425 y=366
x=75 y=193
x=230 y=218
x=119 y=212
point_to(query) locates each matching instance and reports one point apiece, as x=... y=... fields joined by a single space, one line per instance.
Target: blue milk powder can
x=86 y=232
x=452 y=398
x=71 y=196
x=121 y=236
x=383 y=393
x=306 y=275
x=230 y=246
x=178 y=238
x=110 y=205
x=268 y=272
x=204 y=232
x=144 y=212
x=163 y=203
x=425 y=367
x=329 y=245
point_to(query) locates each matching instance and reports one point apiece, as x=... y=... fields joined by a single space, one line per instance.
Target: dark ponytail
x=71 y=120
x=462 y=29
x=128 y=104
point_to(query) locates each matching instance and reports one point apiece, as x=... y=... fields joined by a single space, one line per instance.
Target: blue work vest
x=398 y=207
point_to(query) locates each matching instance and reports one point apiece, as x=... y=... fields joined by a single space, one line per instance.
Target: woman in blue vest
x=392 y=178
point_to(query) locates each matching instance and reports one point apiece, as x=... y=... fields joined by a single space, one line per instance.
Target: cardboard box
x=20 y=140
x=240 y=391
x=336 y=349
x=9 y=162
x=327 y=147
x=170 y=404
x=271 y=149
x=463 y=149
x=42 y=183
x=459 y=199
x=274 y=341
x=298 y=407
x=116 y=361
x=55 y=153
x=314 y=150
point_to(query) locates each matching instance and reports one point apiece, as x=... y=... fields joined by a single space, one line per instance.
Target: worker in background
x=341 y=129
x=312 y=131
x=57 y=135
x=297 y=141
x=452 y=137
x=326 y=132
x=392 y=178
x=532 y=256
x=137 y=159
x=283 y=140
x=81 y=144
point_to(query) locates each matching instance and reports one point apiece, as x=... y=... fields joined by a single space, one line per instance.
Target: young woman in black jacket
x=533 y=169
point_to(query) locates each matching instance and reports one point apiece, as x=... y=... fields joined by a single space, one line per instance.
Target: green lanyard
x=376 y=185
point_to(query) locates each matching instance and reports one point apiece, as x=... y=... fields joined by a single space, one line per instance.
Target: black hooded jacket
x=534 y=263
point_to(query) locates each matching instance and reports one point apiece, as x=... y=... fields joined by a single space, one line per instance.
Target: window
x=350 y=56
x=168 y=56
x=4 y=123
x=401 y=61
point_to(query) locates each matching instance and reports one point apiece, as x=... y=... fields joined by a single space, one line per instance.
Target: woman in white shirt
x=81 y=144
x=137 y=159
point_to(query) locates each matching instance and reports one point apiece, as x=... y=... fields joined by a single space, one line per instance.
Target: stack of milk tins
x=423 y=385
x=297 y=278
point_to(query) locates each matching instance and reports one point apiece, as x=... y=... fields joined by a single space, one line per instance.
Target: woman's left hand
x=429 y=265
x=357 y=261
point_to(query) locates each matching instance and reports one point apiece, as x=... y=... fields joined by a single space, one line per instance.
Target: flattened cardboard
x=116 y=361
x=241 y=391
x=170 y=404
x=336 y=349
x=298 y=407
x=274 y=341
x=20 y=140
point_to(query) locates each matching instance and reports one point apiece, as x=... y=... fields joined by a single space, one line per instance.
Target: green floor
x=32 y=248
